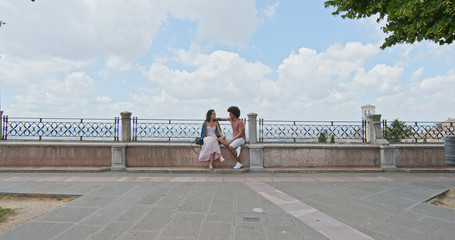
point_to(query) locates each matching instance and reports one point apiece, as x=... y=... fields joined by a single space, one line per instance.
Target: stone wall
x=320 y=155
x=21 y=154
x=419 y=155
x=258 y=156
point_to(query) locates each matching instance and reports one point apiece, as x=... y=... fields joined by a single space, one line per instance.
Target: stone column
x=252 y=128
x=126 y=126
x=256 y=158
x=256 y=150
x=1 y=125
x=118 y=157
x=387 y=157
x=374 y=130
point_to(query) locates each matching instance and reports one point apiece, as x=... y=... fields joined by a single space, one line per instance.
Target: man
x=238 y=138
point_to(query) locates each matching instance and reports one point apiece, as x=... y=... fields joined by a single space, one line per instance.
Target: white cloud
x=56 y=97
x=229 y=22
x=267 y=12
x=220 y=75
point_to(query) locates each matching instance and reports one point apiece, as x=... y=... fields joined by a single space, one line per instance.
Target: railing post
x=126 y=126
x=256 y=150
x=1 y=125
x=252 y=128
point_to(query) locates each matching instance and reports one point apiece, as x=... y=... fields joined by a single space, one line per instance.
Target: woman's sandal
x=222 y=159
x=210 y=167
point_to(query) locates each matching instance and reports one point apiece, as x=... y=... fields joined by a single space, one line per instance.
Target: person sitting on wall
x=211 y=133
x=238 y=138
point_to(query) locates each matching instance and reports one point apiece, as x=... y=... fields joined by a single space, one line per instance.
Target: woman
x=211 y=133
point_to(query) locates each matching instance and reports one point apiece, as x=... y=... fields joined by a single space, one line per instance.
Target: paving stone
x=221 y=211
x=183 y=225
x=35 y=231
x=390 y=200
x=67 y=214
x=280 y=220
x=112 y=231
x=290 y=233
x=171 y=200
x=53 y=188
x=438 y=212
x=216 y=231
x=133 y=214
x=111 y=211
x=112 y=190
x=402 y=193
x=196 y=204
x=136 y=235
x=154 y=196
x=155 y=219
x=80 y=189
x=92 y=201
x=395 y=231
x=422 y=189
x=78 y=232
x=248 y=232
x=307 y=232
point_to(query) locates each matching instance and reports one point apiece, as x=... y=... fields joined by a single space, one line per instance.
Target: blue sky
x=285 y=60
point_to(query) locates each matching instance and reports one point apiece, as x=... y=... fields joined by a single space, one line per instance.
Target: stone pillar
x=374 y=130
x=118 y=159
x=256 y=150
x=126 y=126
x=256 y=158
x=252 y=127
x=387 y=157
x=1 y=125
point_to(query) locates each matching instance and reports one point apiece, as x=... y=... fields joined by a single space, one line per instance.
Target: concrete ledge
x=324 y=170
x=53 y=169
x=427 y=170
x=184 y=170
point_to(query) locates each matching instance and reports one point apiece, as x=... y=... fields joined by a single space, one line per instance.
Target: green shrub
x=397 y=131
x=322 y=138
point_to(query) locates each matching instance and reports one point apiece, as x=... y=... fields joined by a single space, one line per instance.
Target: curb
x=53 y=169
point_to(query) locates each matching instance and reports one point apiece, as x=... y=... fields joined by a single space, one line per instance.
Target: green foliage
x=332 y=139
x=407 y=21
x=322 y=138
x=4 y=213
x=397 y=131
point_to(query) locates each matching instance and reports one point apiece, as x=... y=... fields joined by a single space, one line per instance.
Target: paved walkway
x=248 y=206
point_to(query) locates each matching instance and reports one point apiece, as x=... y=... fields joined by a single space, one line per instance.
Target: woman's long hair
x=209 y=113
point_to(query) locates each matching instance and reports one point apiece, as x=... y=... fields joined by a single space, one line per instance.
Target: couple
x=212 y=135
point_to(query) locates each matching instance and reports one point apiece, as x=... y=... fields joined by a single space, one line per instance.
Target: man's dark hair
x=235 y=111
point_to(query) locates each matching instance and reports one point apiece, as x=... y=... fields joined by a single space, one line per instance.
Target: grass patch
x=5 y=213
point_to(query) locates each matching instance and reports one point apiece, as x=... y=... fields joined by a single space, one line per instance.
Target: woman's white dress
x=210 y=145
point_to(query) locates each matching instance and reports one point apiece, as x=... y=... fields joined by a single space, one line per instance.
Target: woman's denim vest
x=204 y=129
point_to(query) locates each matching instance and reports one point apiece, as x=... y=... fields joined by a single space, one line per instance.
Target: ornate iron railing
x=412 y=131
x=310 y=131
x=60 y=128
x=171 y=129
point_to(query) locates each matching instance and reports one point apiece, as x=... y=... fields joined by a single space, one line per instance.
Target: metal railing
x=171 y=129
x=60 y=128
x=412 y=131
x=304 y=131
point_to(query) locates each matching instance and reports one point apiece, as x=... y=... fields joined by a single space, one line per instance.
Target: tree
x=397 y=131
x=407 y=21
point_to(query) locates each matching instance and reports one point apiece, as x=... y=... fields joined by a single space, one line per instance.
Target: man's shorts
x=237 y=143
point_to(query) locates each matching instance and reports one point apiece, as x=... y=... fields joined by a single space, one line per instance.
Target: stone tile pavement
x=134 y=206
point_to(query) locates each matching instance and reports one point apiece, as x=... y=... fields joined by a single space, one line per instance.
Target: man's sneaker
x=238 y=165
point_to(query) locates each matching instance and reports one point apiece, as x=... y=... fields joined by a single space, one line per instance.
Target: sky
x=174 y=59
